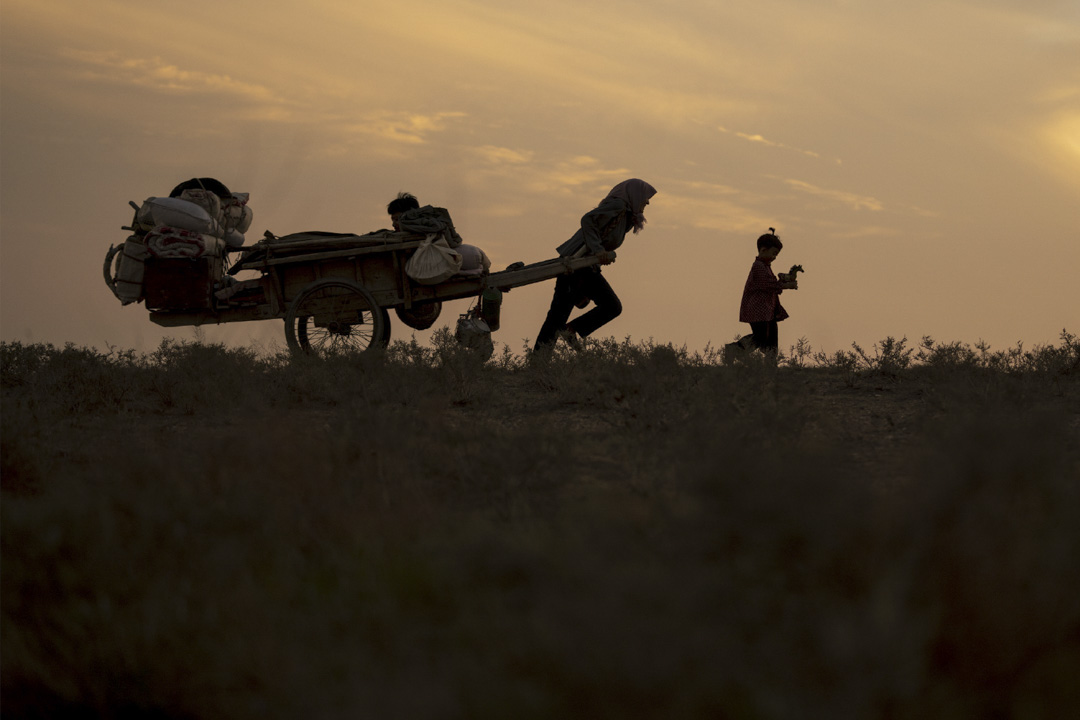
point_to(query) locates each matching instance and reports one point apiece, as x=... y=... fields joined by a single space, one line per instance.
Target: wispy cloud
x=856 y=202
x=585 y=170
x=403 y=127
x=157 y=74
x=861 y=232
x=563 y=175
x=520 y=181
x=762 y=140
x=703 y=187
x=1052 y=31
x=495 y=155
x=709 y=206
x=339 y=126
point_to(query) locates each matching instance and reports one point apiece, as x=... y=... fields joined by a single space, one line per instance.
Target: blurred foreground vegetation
x=632 y=531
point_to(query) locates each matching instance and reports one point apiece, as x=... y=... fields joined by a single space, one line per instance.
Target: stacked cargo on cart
x=174 y=259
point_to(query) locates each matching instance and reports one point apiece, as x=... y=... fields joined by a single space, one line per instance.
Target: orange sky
x=921 y=160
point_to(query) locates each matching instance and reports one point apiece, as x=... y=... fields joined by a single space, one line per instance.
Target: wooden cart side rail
x=453 y=289
x=333 y=241
x=269 y=260
x=312 y=257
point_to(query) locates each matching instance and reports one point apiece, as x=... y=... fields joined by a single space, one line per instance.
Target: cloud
x=761 y=140
x=709 y=206
x=501 y=156
x=584 y=170
x=521 y=181
x=156 y=74
x=857 y=202
x=1052 y=31
x=403 y=127
x=702 y=187
x=339 y=126
x=566 y=175
x=861 y=233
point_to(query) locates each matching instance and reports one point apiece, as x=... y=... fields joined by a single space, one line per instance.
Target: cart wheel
x=335 y=316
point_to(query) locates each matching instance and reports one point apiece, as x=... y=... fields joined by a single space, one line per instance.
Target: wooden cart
x=333 y=290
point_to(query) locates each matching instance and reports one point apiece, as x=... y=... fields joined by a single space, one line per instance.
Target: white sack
x=474 y=261
x=144 y=216
x=234 y=239
x=236 y=215
x=433 y=262
x=181 y=214
x=205 y=199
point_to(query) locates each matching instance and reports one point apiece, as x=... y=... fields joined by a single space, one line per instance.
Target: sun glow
x=1062 y=136
x=1067 y=135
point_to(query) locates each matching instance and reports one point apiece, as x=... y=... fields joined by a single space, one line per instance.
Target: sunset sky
x=920 y=159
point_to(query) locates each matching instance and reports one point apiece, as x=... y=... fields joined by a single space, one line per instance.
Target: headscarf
x=634 y=193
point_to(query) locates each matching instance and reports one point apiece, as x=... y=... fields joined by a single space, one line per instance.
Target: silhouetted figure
x=402 y=203
x=603 y=229
x=761 y=296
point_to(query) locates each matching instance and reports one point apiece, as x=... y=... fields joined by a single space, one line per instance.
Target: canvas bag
x=178 y=213
x=125 y=278
x=472 y=332
x=236 y=219
x=207 y=200
x=433 y=262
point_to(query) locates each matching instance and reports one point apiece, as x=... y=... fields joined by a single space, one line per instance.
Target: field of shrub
x=630 y=531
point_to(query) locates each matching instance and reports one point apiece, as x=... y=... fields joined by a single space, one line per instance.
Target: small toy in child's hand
x=791 y=276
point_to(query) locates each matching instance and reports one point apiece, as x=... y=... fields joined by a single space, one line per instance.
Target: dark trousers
x=766 y=335
x=569 y=289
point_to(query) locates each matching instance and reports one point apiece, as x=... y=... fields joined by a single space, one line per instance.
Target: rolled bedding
x=171 y=242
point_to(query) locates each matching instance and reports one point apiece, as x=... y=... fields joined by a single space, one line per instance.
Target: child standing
x=761 y=296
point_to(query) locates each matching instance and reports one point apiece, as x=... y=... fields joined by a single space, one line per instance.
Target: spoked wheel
x=335 y=316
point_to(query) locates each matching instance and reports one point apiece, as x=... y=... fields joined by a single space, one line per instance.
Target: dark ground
x=630 y=532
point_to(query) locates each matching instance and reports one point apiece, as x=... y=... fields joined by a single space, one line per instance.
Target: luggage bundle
x=442 y=254
x=176 y=253
x=437 y=258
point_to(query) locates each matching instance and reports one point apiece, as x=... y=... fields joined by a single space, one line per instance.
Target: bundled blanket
x=171 y=242
x=430 y=220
